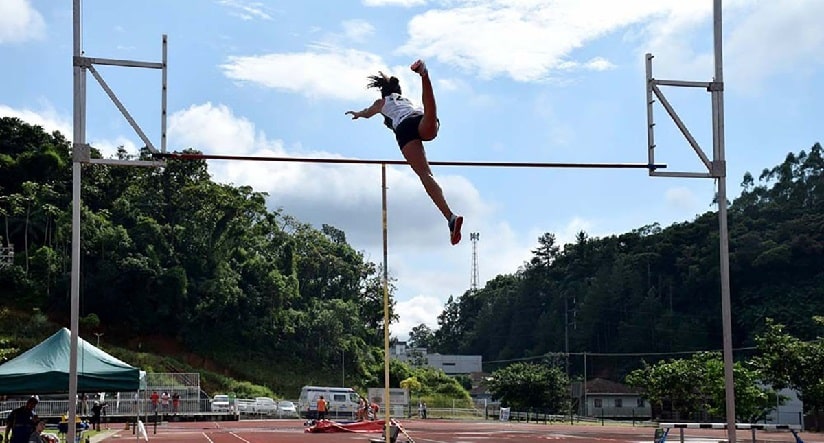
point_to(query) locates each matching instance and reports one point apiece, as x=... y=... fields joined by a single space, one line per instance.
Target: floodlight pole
x=716 y=169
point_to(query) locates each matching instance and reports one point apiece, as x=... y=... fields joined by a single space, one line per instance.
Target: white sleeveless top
x=397 y=108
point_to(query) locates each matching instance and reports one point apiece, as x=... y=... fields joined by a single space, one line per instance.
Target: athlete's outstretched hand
x=355 y=114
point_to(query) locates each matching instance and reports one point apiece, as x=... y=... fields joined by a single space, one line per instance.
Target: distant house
x=450 y=364
x=609 y=399
x=480 y=391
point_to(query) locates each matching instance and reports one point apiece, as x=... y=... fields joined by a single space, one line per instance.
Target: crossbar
x=181 y=156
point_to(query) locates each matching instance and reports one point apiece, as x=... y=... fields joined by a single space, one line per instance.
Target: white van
x=343 y=402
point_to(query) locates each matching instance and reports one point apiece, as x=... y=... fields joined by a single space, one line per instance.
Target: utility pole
x=566 y=332
x=474 y=236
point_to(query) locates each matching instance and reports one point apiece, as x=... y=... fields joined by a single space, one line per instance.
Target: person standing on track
x=323 y=407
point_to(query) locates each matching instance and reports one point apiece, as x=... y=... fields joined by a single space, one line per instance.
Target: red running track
x=439 y=431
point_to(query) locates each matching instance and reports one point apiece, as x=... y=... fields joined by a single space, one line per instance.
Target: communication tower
x=474 y=236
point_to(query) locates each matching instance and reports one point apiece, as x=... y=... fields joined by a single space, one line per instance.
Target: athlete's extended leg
x=416 y=157
x=428 y=127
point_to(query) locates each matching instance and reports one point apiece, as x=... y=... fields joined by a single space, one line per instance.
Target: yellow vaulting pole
x=386 y=402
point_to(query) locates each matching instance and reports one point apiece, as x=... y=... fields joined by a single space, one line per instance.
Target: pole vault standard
x=355 y=161
x=80 y=155
x=716 y=169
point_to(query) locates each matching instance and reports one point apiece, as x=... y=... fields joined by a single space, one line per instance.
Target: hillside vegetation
x=208 y=276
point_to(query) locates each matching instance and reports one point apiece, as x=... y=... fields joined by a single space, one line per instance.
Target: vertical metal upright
x=716 y=169
x=79 y=151
x=80 y=155
x=386 y=317
x=720 y=172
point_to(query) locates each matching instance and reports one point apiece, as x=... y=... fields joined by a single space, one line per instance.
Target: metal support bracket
x=715 y=86
x=82 y=62
x=81 y=153
x=718 y=168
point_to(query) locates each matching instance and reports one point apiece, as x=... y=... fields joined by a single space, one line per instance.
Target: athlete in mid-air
x=413 y=126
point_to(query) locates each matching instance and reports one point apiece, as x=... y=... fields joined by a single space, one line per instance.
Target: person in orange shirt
x=322 y=408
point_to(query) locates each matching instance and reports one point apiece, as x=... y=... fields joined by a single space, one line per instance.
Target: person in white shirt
x=413 y=126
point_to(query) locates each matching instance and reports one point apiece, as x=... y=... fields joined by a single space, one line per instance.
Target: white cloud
x=51 y=120
x=345 y=196
x=535 y=40
x=20 y=22
x=48 y=118
x=573 y=227
x=761 y=39
x=308 y=73
x=349 y=197
x=525 y=40
x=404 y=3
x=247 y=10
x=599 y=64
x=683 y=199
x=357 y=30
x=774 y=38
x=416 y=310
x=108 y=148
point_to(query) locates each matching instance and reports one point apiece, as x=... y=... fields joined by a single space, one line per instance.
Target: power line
x=613 y=354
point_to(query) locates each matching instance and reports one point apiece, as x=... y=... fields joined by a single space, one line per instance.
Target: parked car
x=287 y=409
x=245 y=406
x=265 y=406
x=220 y=403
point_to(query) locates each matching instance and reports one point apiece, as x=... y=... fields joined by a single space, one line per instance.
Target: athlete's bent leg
x=428 y=127
x=415 y=155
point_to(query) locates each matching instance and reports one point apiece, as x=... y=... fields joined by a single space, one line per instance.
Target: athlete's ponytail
x=387 y=85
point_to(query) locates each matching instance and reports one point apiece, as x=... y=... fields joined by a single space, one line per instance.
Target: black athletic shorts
x=407 y=130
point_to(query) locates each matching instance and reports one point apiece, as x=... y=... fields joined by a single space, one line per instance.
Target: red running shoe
x=455 y=229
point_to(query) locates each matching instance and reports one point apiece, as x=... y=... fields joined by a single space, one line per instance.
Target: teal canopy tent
x=45 y=369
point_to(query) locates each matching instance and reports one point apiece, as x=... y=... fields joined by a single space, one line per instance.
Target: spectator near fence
x=97 y=409
x=154 y=398
x=21 y=422
x=175 y=402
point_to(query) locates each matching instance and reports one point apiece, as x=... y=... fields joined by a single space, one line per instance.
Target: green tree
x=421 y=336
x=530 y=385
x=696 y=385
x=788 y=362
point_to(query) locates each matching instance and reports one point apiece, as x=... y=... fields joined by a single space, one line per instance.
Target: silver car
x=287 y=409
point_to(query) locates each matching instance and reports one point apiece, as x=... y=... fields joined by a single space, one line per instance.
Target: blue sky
x=521 y=81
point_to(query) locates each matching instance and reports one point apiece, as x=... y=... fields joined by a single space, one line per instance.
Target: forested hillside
x=170 y=254
x=167 y=253
x=657 y=289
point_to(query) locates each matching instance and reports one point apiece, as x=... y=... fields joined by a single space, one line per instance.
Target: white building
x=790 y=413
x=450 y=364
x=609 y=399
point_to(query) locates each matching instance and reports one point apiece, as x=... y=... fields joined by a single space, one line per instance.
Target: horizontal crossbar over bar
x=178 y=156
